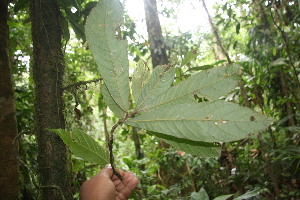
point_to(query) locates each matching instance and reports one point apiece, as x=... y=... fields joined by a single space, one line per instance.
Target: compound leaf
x=201 y=149
x=211 y=84
x=140 y=78
x=224 y=197
x=83 y=146
x=207 y=121
x=159 y=81
x=201 y=195
x=109 y=51
x=113 y=106
x=249 y=194
x=191 y=55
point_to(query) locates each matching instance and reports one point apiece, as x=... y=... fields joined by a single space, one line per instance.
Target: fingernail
x=108 y=166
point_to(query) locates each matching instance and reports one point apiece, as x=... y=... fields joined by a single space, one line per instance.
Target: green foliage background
x=263 y=39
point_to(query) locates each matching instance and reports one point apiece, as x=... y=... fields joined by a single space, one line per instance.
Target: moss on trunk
x=53 y=158
x=9 y=166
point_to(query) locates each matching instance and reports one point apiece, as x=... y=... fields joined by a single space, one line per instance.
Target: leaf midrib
x=89 y=149
x=178 y=97
x=110 y=55
x=195 y=119
x=149 y=93
x=114 y=77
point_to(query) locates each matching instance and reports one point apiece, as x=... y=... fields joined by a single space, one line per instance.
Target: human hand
x=106 y=186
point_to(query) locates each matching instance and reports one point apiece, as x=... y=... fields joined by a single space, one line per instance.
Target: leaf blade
x=202 y=194
x=201 y=149
x=211 y=84
x=84 y=146
x=159 y=81
x=109 y=52
x=140 y=79
x=191 y=55
x=207 y=121
x=113 y=106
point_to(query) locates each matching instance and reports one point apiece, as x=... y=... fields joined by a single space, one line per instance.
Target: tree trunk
x=288 y=108
x=137 y=144
x=9 y=173
x=53 y=157
x=157 y=46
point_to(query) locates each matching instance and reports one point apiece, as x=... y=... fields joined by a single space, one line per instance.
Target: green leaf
x=220 y=22
x=237 y=28
x=78 y=27
x=235 y=44
x=207 y=121
x=83 y=146
x=140 y=78
x=160 y=80
x=191 y=55
x=88 y=7
x=223 y=197
x=249 y=194
x=279 y=62
x=229 y=12
x=113 y=106
x=20 y=4
x=76 y=4
x=205 y=67
x=197 y=148
x=201 y=195
x=151 y=189
x=211 y=84
x=135 y=195
x=109 y=52
x=65 y=28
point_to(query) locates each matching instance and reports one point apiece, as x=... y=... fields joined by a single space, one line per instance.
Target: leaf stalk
x=111 y=141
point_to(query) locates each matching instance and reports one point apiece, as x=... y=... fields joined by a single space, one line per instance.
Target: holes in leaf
x=200 y=99
x=119 y=32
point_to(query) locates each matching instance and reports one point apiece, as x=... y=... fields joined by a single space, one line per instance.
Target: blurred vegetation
x=261 y=36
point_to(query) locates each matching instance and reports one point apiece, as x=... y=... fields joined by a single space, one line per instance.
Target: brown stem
x=216 y=33
x=111 y=141
x=238 y=145
x=219 y=42
x=15 y=143
x=244 y=94
x=288 y=104
x=286 y=43
x=76 y=85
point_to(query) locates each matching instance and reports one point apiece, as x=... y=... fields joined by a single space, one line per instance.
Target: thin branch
x=238 y=145
x=216 y=33
x=286 y=43
x=240 y=83
x=16 y=144
x=80 y=83
x=111 y=141
x=225 y=53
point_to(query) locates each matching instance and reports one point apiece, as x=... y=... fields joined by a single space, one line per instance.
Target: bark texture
x=53 y=157
x=157 y=46
x=9 y=167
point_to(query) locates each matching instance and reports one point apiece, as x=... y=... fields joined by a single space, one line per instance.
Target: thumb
x=106 y=171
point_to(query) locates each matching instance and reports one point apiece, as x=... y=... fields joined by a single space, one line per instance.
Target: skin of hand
x=106 y=186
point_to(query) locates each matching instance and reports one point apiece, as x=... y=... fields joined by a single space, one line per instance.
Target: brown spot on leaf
x=252 y=118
